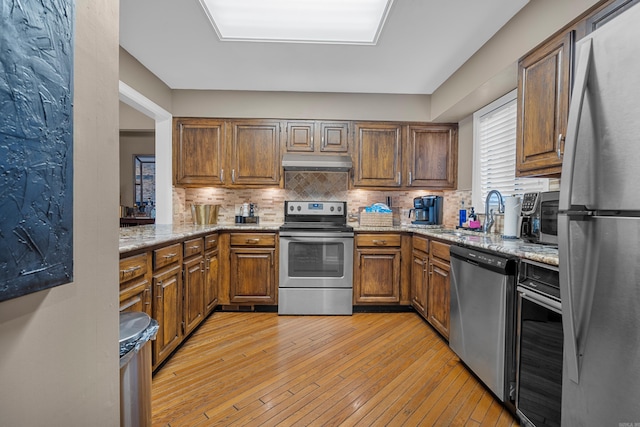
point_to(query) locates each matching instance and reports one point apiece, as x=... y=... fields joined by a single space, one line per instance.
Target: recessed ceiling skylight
x=299 y=21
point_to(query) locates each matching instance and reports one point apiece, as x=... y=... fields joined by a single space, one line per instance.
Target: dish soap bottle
x=463 y=214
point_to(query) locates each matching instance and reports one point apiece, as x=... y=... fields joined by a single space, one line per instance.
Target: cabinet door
x=211 y=267
x=544 y=79
x=432 y=157
x=193 y=308
x=255 y=153
x=377 y=151
x=198 y=152
x=300 y=136
x=334 y=137
x=167 y=310
x=135 y=295
x=252 y=276
x=377 y=276
x=438 y=297
x=419 y=282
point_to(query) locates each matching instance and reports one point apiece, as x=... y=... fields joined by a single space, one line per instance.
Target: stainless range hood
x=316 y=162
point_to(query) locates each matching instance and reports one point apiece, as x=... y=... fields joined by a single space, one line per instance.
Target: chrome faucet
x=488 y=218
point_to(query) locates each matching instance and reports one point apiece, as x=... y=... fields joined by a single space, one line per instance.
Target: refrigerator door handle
x=573 y=123
x=568 y=312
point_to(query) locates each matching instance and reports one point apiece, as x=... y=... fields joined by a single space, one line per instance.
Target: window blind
x=495 y=153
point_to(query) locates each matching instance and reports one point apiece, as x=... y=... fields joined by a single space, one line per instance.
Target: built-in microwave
x=539 y=213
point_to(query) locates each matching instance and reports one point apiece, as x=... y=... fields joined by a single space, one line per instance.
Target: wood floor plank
x=261 y=369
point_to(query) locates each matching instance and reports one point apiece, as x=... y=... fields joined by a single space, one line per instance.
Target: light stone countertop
x=145 y=236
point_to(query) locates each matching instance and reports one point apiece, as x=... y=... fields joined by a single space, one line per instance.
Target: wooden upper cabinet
x=544 y=85
x=377 y=153
x=317 y=136
x=300 y=136
x=198 y=152
x=432 y=157
x=254 y=156
x=334 y=136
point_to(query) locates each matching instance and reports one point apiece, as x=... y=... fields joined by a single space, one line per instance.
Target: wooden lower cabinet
x=438 y=298
x=211 y=273
x=167 y=310
x=135 y=283
x=193 y=272
x=253 y=266
x=419 y=281
x=430 y=282
x=377 y=269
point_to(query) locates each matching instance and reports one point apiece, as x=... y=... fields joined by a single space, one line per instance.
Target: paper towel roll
x=511 y=216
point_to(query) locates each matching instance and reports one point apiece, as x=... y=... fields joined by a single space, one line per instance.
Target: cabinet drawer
x=252 y=239
x=167 y=255
x=421 y=244
x=384 y=240
x=440 y=250
x=133 y=267
x=211 y=241
x=193 y=247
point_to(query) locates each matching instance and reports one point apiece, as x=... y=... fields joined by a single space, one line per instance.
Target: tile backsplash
x=315 y=186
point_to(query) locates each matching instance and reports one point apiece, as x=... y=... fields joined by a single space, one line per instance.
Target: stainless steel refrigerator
x=599 y=230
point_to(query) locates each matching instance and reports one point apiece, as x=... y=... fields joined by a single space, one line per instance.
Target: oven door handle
x=541 y=300
x=324 y=237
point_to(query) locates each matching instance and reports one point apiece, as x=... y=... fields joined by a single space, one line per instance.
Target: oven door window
x=316 y=259
x=540 y=364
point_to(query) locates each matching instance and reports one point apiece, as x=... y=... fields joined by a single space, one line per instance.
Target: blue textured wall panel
x=36 y=145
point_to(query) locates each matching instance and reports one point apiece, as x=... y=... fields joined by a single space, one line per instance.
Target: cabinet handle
x=410 y=178
x=399 y=177
x=222 y=176
x=129 y=270
x=202 y=266
x=168 y=256
x=254 y=241
x=194 y=247
x=233 y=176
x=380 y=242
x=560 y=139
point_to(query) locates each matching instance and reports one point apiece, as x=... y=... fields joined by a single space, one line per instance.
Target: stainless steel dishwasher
x=482 y=328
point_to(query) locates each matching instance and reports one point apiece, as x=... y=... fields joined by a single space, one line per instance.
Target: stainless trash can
x=136 y=331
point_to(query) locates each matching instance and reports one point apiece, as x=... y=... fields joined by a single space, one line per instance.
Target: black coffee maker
x=427 y=210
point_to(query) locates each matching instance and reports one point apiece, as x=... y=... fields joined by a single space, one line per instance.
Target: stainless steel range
x=316 y=259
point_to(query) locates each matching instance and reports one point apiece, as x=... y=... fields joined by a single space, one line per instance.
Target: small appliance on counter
x=427 y=210
x=539 y=217
x=246 y=213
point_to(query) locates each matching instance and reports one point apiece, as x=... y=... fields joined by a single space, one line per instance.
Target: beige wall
x=132 y=143
x=59 y=347
x=491 y=72
x=133 y=73
x=131 y=119
x=301 y=105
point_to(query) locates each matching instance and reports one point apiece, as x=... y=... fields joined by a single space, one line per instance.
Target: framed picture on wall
x=36 y=145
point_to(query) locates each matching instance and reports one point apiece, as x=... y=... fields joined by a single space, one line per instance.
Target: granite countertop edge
x=146 y=236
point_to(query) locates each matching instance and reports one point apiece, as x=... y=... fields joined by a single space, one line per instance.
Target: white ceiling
x=422 y=44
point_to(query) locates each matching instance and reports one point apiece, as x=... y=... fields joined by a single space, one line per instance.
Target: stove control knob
x=331 y=208
x=339 y=208
x=299 y=208
x=291 y=208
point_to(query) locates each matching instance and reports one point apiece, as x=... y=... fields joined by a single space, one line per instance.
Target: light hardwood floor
x=369 y=369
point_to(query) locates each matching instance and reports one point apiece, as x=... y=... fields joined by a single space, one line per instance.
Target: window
x=494 y=153
x=144 y=179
